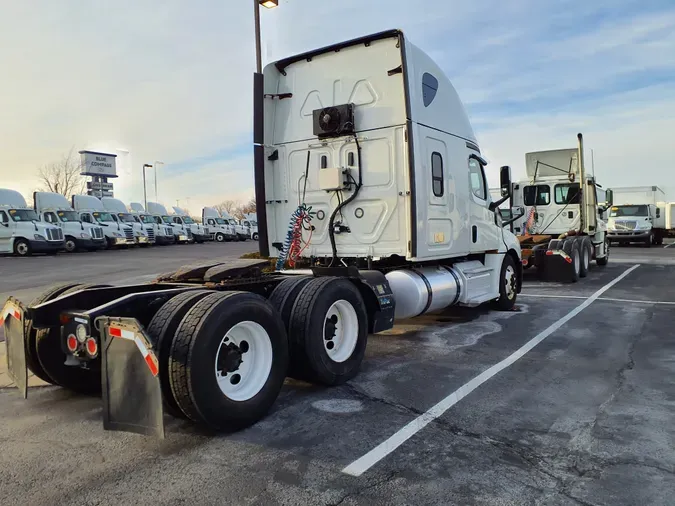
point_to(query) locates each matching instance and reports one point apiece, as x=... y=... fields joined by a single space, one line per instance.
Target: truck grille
x=206 y=231
x=168 y=231
x=151 y=233
x=625 y=225
x=189 y=233
x=129 y=233
x=97 y=233
x=54 y=234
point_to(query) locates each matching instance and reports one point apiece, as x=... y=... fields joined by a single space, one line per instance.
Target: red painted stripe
x=152 y=364
x=17 y=315
x=115 y=332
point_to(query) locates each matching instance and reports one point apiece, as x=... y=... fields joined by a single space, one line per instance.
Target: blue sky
x=173 y=83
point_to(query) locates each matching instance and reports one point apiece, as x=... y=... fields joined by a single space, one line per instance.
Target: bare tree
x=228 y=206
x=63 y=176
x=247 y=208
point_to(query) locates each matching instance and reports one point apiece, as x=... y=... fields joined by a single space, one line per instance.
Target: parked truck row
x=359 y=239
x=87 y=223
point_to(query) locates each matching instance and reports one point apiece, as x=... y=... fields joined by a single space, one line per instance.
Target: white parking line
x=610 y=299
x=361 y=465
x=669 y=245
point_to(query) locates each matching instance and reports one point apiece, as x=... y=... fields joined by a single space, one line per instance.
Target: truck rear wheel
x=284 y=295
x=328 y=331
x=52 y=359
x=571 y=247
x=586 y=251
x=162 y=329
x=228 y=360
x=32 y=361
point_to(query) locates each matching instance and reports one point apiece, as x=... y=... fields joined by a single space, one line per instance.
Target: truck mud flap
x=12 y=319
x=555 y=265
x=132 y=395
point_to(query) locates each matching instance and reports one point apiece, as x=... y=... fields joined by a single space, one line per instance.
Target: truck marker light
x=71 y=342
x=525 y=262
x=92 y=347
x=64 y=318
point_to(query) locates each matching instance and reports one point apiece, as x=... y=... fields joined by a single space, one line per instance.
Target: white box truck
x=639 y=214
x=219 y=229
x=21 y=231
x=55 y=209
x=390 y=219
x=557 y=218
x=158 y=232
x=199 y=233
x=119 y=212
x=91 y=210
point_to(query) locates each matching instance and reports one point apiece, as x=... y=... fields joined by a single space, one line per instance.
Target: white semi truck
x=557 y=215
x=55 y=209
x=92 y=211
x=250 y=221
x=376 y=208
x=21 y=231
x=119 y=212
x=242 y=233
x=182 y=233
x=199 y=233
x=219 y=229
x=640 y=214
x=159 y=232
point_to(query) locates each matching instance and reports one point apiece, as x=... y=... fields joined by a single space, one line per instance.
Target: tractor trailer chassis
x=146 y=349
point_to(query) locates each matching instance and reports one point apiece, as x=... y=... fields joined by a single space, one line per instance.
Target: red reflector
x=152 y=364
x=72 y=343
x=115 y=332
x=525 y=262
x=64 y=318
x=92 y=347
x=568 y=260
x=549 y=253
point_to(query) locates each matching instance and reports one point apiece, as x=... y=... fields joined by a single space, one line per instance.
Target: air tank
x=419 y=291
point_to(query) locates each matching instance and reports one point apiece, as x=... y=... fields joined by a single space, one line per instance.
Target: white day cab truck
x=640 y=214
x=21 y=232
x=558 y=217
x=200 y=234
x=241 y=232
x=219 y=228
x=376 y=209
x=182 y=233
x=55 y=209
x=158 y=232
x=92 y=211
x=250 y=221
x=120 y=214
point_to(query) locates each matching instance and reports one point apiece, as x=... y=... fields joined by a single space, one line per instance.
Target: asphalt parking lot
x=569 y=399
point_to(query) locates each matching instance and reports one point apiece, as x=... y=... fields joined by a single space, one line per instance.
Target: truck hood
x=629 y=223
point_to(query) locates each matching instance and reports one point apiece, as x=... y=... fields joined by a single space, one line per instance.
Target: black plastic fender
x=379 y=299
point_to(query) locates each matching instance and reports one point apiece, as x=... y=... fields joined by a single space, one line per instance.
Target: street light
x=156 y=164
x=259 y=129
x=145 y=193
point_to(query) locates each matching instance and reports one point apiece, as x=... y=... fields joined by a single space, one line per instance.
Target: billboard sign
x=98 y=164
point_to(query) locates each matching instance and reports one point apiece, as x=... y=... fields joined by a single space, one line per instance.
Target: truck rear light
x=81 y=333
x=71 y=342
x=525 y=262
x=64 y=318
x=92 y=347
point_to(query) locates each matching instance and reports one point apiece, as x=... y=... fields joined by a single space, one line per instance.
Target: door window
x=3 y=217
x=477 y=179
x=50 y=218
x=537 y=195
x=437 y=174
x=567 y=193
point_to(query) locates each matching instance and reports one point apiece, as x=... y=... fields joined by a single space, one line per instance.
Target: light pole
x=259 y=130
x=156 y=164
x=145 y=193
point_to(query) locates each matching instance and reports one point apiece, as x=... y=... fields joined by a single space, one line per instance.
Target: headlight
x=39 y=237
x=85 y=236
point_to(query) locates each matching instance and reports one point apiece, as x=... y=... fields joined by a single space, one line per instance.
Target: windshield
x=126 y=218
x=631 y=211
x=103 y=217
x=23 y=214
x=221 y=221
x=146 y=218
x=167 y=219
x=254 y=223
x=188 y=220
x=67 y=216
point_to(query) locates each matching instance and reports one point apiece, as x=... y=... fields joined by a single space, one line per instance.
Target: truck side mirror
x=505 y=180
x=658 y=212
x=609 y=196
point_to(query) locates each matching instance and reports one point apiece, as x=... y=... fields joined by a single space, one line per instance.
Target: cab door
x=484 y=235
x=5 y=233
